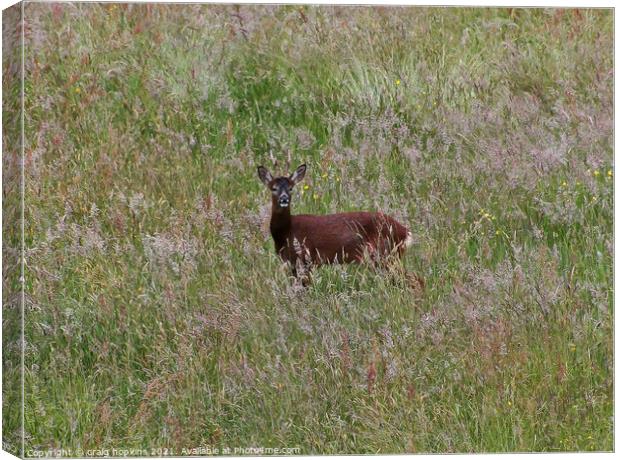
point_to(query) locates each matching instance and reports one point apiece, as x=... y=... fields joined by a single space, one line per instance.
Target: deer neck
x=280 y=224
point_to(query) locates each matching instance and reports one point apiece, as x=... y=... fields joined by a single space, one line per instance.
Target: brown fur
x=336 y=238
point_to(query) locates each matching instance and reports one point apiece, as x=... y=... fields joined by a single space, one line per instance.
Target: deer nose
x=284 y=201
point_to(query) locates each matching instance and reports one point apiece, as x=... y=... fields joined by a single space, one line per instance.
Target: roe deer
x=305 y=240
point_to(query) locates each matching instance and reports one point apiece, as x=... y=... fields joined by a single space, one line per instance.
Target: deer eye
x=274 y=188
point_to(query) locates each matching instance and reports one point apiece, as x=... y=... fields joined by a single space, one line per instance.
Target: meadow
x=157 y=314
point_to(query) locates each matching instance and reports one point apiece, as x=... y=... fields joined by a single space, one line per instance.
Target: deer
x=304 y=241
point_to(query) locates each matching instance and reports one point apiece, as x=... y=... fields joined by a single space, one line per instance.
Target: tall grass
x=157 y=313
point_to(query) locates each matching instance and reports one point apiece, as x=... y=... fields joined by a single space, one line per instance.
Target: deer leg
x=302 y=268
x=398 y=272
x=392 y=265
x=416 y=282
x=301 y=272
x=306 y=279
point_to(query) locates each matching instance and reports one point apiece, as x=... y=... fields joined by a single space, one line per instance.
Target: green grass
x=158 y=315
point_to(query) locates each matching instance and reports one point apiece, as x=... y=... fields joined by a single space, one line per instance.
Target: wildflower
x=315 y=196
x=572 y=347
x=509 y=404
x=337 y=179
x=596 y=172
x=487 y=215
x=497 y=232
x=78 y=90
x=594 y=198
x=564 y=184
x=610 y=173
x=306 y=187
x=397 y=82
x=324 y=175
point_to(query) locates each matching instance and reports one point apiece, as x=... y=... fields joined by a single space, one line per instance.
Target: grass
x=157 y=313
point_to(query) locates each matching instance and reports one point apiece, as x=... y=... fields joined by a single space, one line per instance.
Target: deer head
x=282 y=186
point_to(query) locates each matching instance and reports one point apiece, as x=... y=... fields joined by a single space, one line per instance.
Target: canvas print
x=306 y=229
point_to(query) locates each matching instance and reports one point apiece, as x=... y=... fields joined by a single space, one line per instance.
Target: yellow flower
x=397 y=82
x=509 y=404
x=596 y=172
x=306 y=187
x=564 y=184
x=324 y=175
x=487 y=215
x=610 y=173
x=497 y=232
x=315 y=196
x=337 y=179
x=78 y=90
x=594 y=198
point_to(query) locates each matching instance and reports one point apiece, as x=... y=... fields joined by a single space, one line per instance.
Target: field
x=157 y=314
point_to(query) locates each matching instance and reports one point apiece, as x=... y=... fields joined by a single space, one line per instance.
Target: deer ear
x=298 y=175
x=264 y=175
